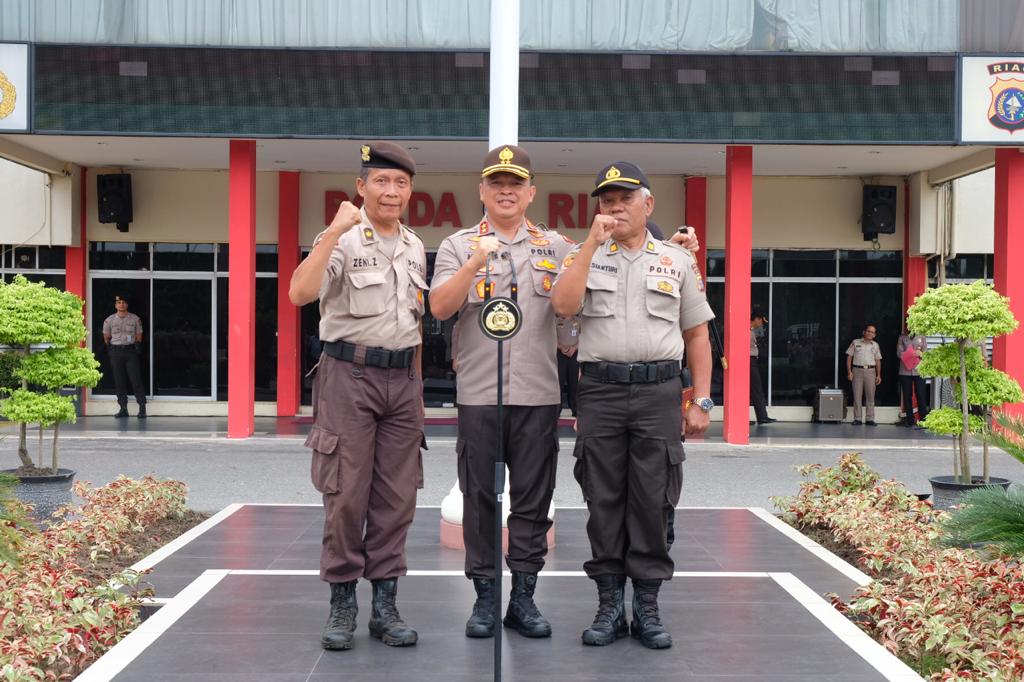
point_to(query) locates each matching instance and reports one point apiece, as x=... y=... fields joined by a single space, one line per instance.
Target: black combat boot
x=522 y=614
x=122 y=413
x=341 y=624
x=481 y=623
x=385 y=622
x=646 y=625
x=142 y=412
x=610 y=622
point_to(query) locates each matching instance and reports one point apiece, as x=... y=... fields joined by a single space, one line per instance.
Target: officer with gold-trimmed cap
x=641 y=301
x=505 y=255
x=367 y=270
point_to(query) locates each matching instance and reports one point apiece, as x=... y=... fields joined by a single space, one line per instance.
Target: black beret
x=507 y=158
x=387 y=155
x=620 y=175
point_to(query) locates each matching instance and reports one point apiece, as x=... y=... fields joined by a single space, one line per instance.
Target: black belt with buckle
x=631 y=373
x=124 y=346
x=370 y=355
x=864 y=366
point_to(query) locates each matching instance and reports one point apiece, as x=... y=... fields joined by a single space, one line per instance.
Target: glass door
x=182 y=336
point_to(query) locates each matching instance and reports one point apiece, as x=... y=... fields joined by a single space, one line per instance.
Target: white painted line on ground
x=871 y=651
x=506 y=572
x=129 y=648
x=851 y=572
x=185 y=538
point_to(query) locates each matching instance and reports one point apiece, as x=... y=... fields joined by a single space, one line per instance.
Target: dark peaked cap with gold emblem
x=507 y=158
x=387 y=155
x=620 y=175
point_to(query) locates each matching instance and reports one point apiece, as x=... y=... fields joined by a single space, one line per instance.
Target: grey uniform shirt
x=754 y=352
x=122 y=330
x=637 y=303
x=865 y=353
x=535 y=255
x=372 y=291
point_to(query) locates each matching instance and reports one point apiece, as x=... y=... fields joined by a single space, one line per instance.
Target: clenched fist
x=601 y=229
x=345 y=219
x=485 y=247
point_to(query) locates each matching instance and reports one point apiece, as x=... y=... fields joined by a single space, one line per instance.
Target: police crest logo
x=665 y=286
x=612 y=173
x=500 y=318
x=546 y=265
x=365 y=152
x=8 y=96
x=505 y=156
x=1006 y=111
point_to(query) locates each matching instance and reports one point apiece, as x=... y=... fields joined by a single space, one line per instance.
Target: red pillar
x=76 y=260
x=915 y=269
x=697 y=217
x=1008 y=351
x=242 y=290
x=289 y=357
x=739 y=180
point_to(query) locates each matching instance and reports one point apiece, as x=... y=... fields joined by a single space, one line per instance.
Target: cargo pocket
x=325 y=468
x=543 y=275
x=366 y=297
x=460 y=453
x=579 y=470
x=674 y=475
x=600 y=298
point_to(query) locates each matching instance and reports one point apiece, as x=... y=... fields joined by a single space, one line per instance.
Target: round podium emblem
x=500 y=318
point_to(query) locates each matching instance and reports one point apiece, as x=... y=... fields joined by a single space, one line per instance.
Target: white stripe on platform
x=129 y=648
x=185 y=538
x=851 y=572
x=852 y=636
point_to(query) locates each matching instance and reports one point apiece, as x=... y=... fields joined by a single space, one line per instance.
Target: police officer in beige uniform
x=641 y=301
x=522 y=262
x=864 y=369
x=122 y=332
x=368 y=271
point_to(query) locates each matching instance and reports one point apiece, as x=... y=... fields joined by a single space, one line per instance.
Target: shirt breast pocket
x=417 y=289
x=543 y=274
x=366 y=296
x=662 y=298
x=600 y=298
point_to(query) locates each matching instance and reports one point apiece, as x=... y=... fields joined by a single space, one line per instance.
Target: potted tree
x=969 y=314
x=41 y=329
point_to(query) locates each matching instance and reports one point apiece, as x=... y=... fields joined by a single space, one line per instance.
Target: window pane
x=438 y=376
x=716 y=299
x=25 y=258
x=136 y=292
x=804 y=263
x=192 y=257
x=266 y=257
x=716 y=263
x=6 y=253
x=119 y=256
x=758 y=263
x=266 y=338
x=802 y=325
x=964 y=266
x=879 y=305
x=52 y=257
x=990 y=266
x=870 y=264
x=181 y=337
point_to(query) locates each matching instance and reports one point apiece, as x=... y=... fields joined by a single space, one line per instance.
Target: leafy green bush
x=34 y=315
x=969 y=313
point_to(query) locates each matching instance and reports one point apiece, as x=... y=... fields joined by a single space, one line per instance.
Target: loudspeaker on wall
x=114 y=199
x=878 y=212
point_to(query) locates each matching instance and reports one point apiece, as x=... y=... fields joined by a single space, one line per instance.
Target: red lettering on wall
x=581 y=210
x=560 y=211
x=421 y=209
x=447 y=211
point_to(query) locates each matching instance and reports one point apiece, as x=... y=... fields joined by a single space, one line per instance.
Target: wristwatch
x=704 y=403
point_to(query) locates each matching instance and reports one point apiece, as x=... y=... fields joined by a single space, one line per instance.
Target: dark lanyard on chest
x=489 y=286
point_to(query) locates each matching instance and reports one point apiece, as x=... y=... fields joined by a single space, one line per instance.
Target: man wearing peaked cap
x=518 y=259
x=367 y=270
x=642 y=301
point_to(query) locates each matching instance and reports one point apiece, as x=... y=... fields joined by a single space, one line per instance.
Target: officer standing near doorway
x=864 y=369
x=122 y=332
x=368 y=271
x=523 y=261
x=641 y=302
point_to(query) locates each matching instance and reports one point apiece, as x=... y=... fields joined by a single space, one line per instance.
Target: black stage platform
x=243 y=601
